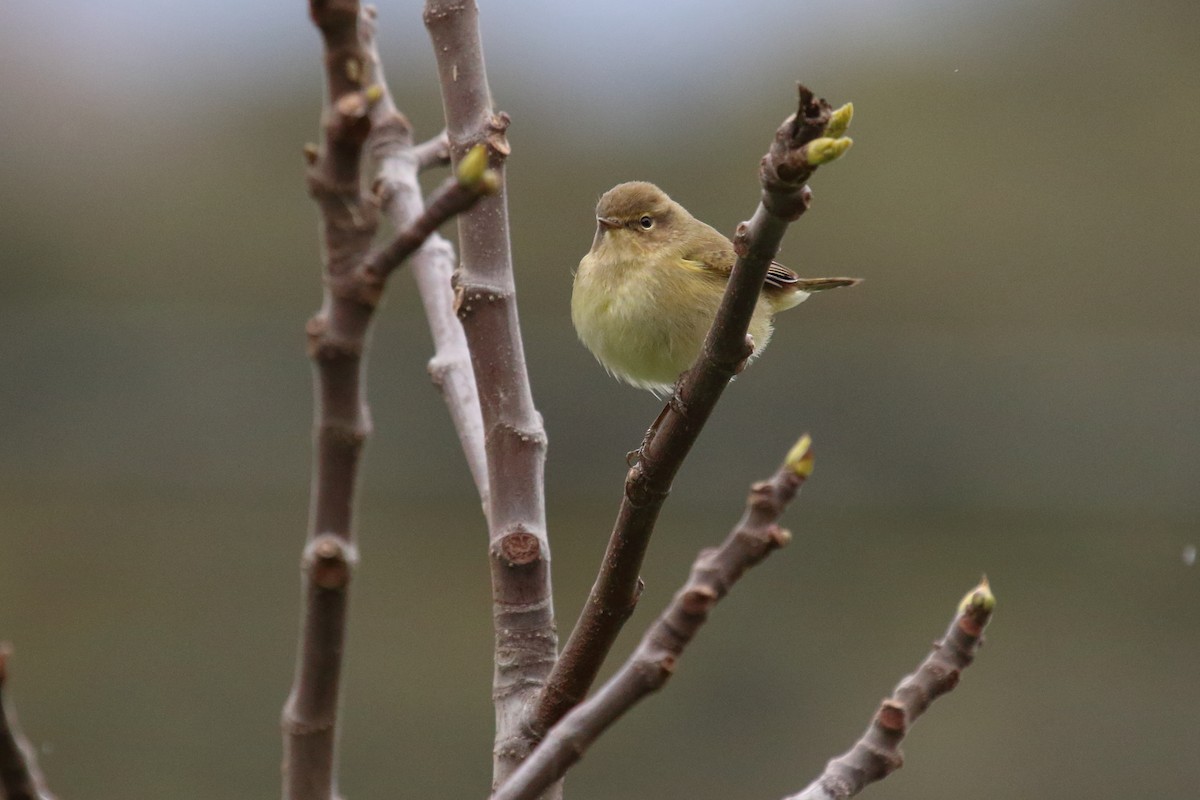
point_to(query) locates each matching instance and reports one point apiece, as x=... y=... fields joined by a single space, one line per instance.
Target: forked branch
x=810 y=137
x=337 y=336
x=713 y=574
x=877 y=754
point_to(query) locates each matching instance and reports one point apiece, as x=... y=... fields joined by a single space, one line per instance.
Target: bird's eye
x=646 y=222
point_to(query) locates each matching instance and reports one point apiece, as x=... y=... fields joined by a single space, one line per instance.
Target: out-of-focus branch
x=20 y=778
x=398 y=164
x=714 y=572
x=433 y=153
x=453 y=197
x=808 y=138
x=877 y=754
x=337 y=337
x=523 y=613
x=337 y=334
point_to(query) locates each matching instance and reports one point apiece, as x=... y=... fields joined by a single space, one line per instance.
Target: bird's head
x=636 y=215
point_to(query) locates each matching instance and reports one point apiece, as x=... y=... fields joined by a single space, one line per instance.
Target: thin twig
x=523 y=613
x=433 y=153
x=450 y=199
x=783 y=173
x=398 y=164
x=337 y=337
x=714 y=572
x=877 y=754
x=20 y=778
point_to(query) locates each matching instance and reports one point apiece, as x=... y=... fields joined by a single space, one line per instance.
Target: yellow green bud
x=823 y=150
x=473 y=167
x=800 y=458
x=839 y=121
x=980 y=598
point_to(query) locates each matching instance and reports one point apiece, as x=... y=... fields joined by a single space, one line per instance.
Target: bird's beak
x=608 y=223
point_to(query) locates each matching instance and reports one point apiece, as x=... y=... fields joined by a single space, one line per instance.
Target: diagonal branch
x=20 y=778
x=338 y=335
x=713 y=574
x=800 y=146
x=877 y=754
x=453 y=197
x=523 y=612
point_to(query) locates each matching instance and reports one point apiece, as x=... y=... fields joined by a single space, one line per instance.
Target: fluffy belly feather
x=619 y=314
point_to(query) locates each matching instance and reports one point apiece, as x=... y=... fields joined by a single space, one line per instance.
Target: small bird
x=646 y=293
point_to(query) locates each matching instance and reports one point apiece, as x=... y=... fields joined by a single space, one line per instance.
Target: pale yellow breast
x=645 y=319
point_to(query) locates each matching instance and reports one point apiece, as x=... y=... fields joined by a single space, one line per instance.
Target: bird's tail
x=821 y=284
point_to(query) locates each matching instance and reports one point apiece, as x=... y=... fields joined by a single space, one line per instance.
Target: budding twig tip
x=800 y=458
x=839 y=121
x=823 y=150
x=979 y=600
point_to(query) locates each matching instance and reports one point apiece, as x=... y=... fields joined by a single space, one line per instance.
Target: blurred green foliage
x=1012 y=390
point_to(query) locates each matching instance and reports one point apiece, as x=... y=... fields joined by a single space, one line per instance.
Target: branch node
x=324 y=347
x=778 y=536
x=698 y=600
x=518 y=547
x=638 y=489
x=496 y=138
x=890 y=717
x=741 y=239
x=330 y=559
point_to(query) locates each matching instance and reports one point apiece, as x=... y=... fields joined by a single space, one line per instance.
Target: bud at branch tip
x=800 y=458
x=839 y=121
x=823 y=150
x=979 y=599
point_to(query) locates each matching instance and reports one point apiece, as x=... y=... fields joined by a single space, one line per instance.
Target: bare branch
x=20 y=778
x=398 y=164
x=523 y=614
x=337 y=337
x=877 y=754
x=714 y=572
x=783 y=173
x=337 y=345
x=452 y=198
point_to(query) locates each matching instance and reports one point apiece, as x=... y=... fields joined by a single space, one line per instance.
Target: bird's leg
x=634 y=456
x=674 y=401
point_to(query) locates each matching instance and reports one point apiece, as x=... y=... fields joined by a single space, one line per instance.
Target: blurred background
x=1013 y=390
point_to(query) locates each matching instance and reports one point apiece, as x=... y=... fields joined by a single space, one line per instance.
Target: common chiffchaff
x=646 y=293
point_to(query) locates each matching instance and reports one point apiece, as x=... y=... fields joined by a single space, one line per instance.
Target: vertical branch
x=523 y=614
x=336 y=339
x=20 y=778
x=337 y=342
x=399 y=163
x=800 y=145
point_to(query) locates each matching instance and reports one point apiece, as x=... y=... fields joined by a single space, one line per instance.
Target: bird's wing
x=710 y=250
